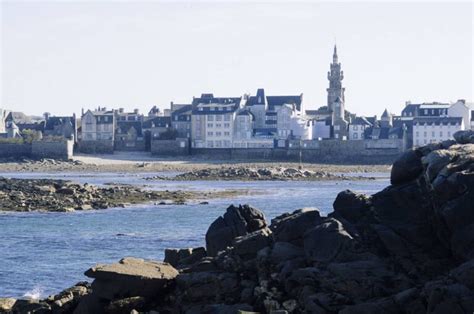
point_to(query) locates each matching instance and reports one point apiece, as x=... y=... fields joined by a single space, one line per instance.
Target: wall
x=8 y=150
x=130 y=145
x=330 y=151
x=38 y=149
x=52 y=149
x=178 y=147
x=96 y=147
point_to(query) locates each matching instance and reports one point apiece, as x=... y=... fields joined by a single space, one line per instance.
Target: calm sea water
x=43 y=253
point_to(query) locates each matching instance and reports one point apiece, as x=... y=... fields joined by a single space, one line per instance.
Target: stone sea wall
x=363 y=151
x=178 y=147
x=96 y=147
x=38 y=149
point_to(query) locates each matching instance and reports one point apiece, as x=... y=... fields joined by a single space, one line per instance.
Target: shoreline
x=143 y=163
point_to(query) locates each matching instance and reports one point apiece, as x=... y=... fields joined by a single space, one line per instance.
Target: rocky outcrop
x=252 y=174
x=65 y=196
x=406 y=249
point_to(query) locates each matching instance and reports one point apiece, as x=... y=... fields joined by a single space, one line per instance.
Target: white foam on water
x=34 y=294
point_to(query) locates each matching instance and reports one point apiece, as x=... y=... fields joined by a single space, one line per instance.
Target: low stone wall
x=38 y=149
x=10 y=150
x=130 y=146
x=96 y=147
x=330 y=151
x=52 y=149
x=178 y=147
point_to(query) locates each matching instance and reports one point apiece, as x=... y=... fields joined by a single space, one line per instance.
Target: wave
x=34 y=294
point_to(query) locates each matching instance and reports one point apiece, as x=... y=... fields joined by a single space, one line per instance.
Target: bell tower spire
x=336 y=100
x=334 y=55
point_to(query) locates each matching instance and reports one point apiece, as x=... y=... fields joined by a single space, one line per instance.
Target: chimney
x=135 y=111
x=46 y=116
x=82 y=112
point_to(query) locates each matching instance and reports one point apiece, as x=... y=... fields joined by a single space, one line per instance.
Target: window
x=226 y=125
x=218 y=118
x=433 y=134
x=424 y=134
x=210 y=117
x=440 y=133
x=227 y=117
x=218 y=133
x=355 y=127
x=210 y=125
x=417 y=134
x=210 y=133
x=226 y=133
x=449 y=134
x=355 y=136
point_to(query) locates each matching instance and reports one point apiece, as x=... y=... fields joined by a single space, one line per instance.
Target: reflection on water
x=46 y=252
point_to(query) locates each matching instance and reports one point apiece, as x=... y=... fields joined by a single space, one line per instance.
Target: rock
x=407 y=167
x=188 y=256
x=126 y=305
x=131 y=277
x=220 y=309
x=464 y=137
x=237 y=221
x=209 y=286
x=248 y=245
x=465 y=274
x=324 y=242
x=351 y=206
x=285 y=251
x=291 y=227
x=30 y=306
x=6 y=304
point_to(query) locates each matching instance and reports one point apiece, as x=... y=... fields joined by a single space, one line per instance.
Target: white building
x=435 y=129
x=321 y=129
x=243 y=125
x=212 y=121
x=357 y=128
x=461 y=109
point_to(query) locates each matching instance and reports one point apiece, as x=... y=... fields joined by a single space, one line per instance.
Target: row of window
x=217 y=108
x=434 y=125
x=218 y=117
x=210 y=133
x=218 y=125
x=219 y=144
x=433 y=134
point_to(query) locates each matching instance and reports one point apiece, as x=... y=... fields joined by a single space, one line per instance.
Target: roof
x=31 y=126
x=385 y=114
x=246 y=112
x=437 y=120
x=124 y=126
x=157 y=122
x=361 y=121
x=203 y=104
x=275 y=101
x=51 y=122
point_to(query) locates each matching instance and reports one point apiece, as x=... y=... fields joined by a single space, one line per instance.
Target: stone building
x=65 y=126
x=98 y=131
x=213 y=121
x=3 y=117
x=181 y=120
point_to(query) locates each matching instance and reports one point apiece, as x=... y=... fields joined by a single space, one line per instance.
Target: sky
x=62 y=56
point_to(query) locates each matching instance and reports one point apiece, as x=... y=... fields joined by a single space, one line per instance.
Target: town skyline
x=71 y=60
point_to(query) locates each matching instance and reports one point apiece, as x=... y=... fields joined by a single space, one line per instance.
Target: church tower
x=336 y=98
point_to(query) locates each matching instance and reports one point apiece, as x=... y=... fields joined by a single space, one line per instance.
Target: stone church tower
x=336 y=98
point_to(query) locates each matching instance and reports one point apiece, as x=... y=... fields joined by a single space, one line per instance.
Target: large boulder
x=131 y=277
x=464 y=137
x=326 y=241
x=182 y=257
x=237 y=221
x=248 y=245
x=351 y=206
x=292 y=227
x=407 y=167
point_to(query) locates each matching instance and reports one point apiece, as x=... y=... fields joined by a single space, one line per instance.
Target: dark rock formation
x=406 y=249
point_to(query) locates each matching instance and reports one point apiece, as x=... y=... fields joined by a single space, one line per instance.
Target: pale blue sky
x=64 y=55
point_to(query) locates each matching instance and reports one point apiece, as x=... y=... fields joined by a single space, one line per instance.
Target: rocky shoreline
x=258 y=174
x=406 y=249
x=25 y=195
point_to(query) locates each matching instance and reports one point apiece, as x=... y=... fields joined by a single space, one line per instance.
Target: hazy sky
x=64 y=55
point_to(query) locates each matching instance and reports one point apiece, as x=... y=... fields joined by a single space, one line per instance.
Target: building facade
x=435 y=129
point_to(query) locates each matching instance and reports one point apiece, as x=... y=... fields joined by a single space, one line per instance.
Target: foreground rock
x=64 y=196
x=406 y=249
x=251 y=174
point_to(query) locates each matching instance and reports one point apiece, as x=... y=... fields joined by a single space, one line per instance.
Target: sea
x=43 y=253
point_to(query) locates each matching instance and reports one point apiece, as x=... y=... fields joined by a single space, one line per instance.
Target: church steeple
x=336 y=101
x=334 y=55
